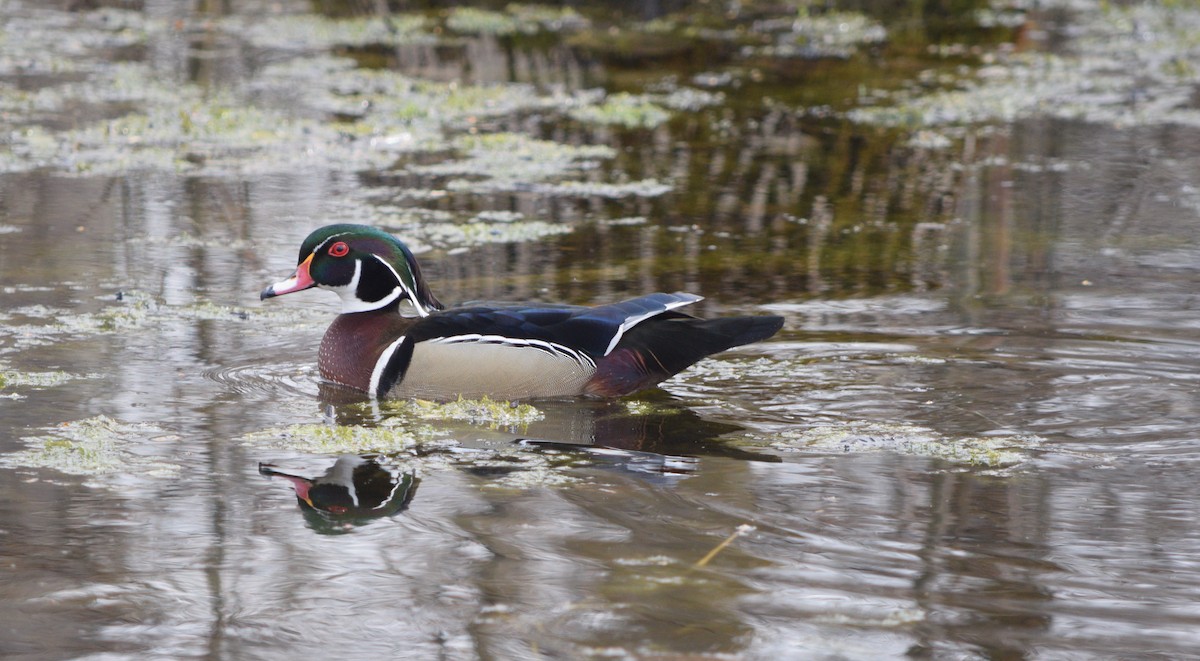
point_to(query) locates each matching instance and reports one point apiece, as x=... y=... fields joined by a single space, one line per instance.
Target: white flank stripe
x=555 y=349
x=381 y=364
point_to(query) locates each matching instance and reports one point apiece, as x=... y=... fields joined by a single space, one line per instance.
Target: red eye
x=339 y=249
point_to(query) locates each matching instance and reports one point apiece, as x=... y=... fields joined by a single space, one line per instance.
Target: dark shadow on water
x=353 y=491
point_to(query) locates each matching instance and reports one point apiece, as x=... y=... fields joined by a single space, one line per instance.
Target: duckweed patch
x=639 y=407
x=310 y=32
x=642 y=188
x=95 y=447
x=347 y=439
x=515 y=19
x=831 y=34
x=553 y=19
x=507 y=161
x=10 y=378
x=470 y=20
x=426 y=229
x=451 y=235
x=1126 y=66
x=628 y=110
x=528 y=471
x=137 y=311
x=486 y=412
x=860 y=437
x=405 y=439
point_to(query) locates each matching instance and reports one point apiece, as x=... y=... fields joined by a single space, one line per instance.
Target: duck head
x=367 y=267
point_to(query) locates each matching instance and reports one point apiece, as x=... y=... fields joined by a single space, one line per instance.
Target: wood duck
x=501 y=350
x=354 y=487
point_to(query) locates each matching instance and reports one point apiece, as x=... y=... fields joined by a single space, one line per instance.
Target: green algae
x=470 y=20
x=527 y=472
x=345 y=439
x=506 y=162
x=628 y=110
x=380 y=114
x=407 y=439
x=830 y=34
x=136 y=311
x=515 y=156
x=483 y=412
x=10 y=378
x=641 y=188
x=95 y=447
x=426 y=229
x=1125 y=66
x=452 y=235
x=866 y=437
x=548 y=18
x=639 y=407
x=310 y=32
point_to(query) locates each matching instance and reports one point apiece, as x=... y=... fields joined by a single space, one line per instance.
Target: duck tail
x=663 y=346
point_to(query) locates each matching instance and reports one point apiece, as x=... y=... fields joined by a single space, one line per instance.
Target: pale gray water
x=975 y=437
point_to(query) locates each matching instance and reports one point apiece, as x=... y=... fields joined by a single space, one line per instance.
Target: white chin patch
x=351 y=302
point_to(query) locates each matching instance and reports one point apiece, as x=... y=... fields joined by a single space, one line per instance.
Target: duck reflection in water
x=354 y=490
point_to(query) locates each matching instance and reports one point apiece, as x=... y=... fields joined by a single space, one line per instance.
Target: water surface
x=974 y=438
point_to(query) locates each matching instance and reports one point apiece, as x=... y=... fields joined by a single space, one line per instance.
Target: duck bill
x=300 y=484
x=299 y=281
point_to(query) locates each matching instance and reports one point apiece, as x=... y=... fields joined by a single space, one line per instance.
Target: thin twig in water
x=743 y=529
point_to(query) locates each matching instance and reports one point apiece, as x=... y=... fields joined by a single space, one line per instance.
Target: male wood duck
x=501 y=350
x=354 y=487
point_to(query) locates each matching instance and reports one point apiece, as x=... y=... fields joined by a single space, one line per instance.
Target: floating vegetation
x=628 y=110
x=520 y=470
x=408 y=440
x=97 y=446
x=469 y=20
x=515 y=156
x=135 y=310
x=689 y=99
x=453 y=235
x=858 y=437
x=553 y=19
x=426 y=229
x=308 y=108
x=642 y=188
x=1126 y=65
x=486 y=412
x=515 y=162
x=629 y=220
x=832 y=34
x=640 y=407
x=346 y=439
x=10 y=378
x=311 y=32
x=515 y=19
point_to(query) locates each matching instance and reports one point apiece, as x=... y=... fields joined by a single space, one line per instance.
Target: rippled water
x=974 y=438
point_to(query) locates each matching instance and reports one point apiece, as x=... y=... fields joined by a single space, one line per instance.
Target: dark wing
x=595 y=331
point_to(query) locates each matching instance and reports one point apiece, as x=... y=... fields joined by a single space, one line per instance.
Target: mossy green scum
x=865 y=437
x=484 y=412
x=94 y=447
